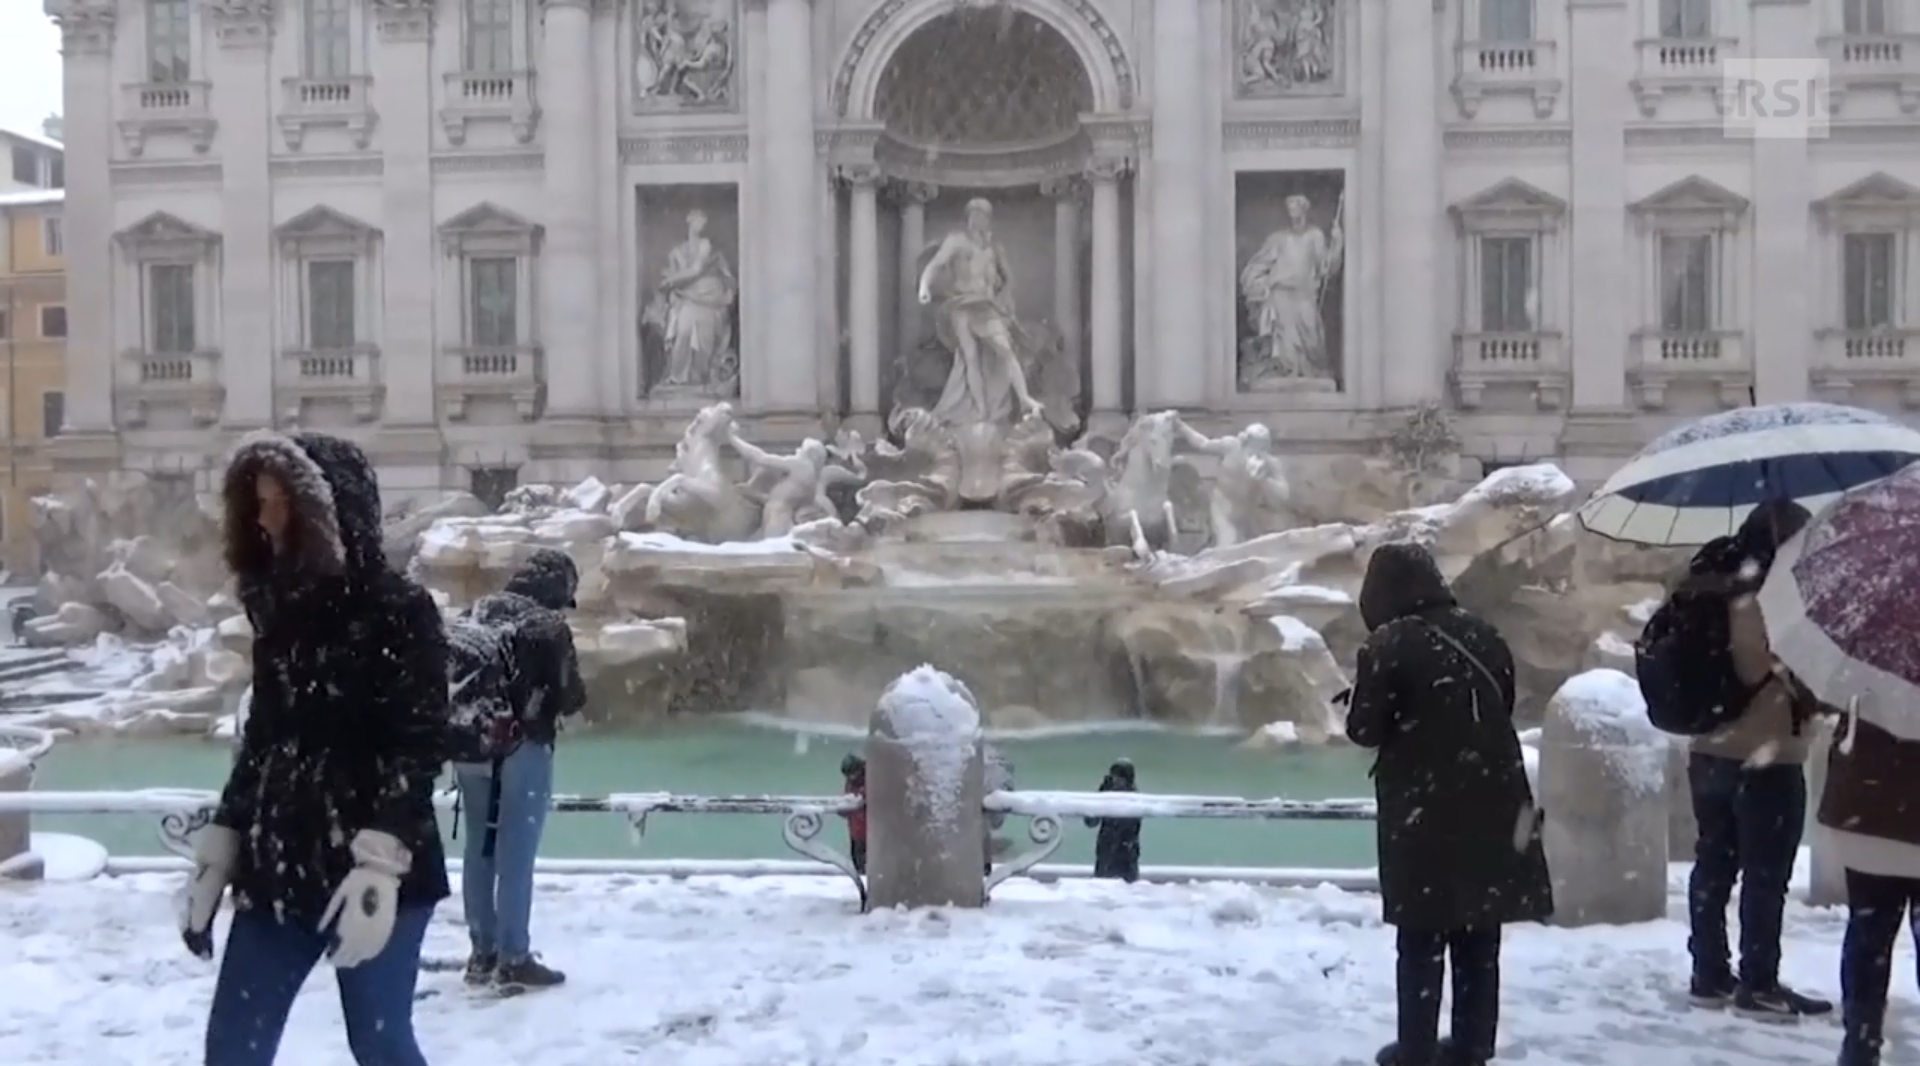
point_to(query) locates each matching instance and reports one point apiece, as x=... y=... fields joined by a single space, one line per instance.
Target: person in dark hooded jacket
x=1116 y=848
x=1459 y=840
x=325 y=831
x=1747 y=784
x=513 y=794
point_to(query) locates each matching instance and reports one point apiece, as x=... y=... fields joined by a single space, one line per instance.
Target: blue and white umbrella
x=1700 y=481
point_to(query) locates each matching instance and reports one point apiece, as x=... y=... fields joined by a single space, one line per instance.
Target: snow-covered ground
x=716 y=972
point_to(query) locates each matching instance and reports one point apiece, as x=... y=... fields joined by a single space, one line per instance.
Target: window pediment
x=488 y=228
x=1876 y=201
x=1512 y=206
x=1691 y=203
x=166 y=236
x=321 y=230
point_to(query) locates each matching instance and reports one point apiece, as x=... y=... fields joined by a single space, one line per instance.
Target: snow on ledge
x=927 y=704
x=1606 y=713
x=667 y=542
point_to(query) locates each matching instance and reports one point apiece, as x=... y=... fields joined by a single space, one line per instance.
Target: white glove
x=367 y=899
x=199 y=899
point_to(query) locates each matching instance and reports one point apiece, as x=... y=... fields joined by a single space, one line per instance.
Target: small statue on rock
x=800 y=494
x=1249 y=495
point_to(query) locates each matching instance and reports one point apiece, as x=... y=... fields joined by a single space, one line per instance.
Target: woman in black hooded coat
x=325 y=831
x=1459 y=840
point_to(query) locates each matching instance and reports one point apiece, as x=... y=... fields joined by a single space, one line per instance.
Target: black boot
x=480 y=967
x=1391 y=1056
x=1450 y=1054
x=524 y=975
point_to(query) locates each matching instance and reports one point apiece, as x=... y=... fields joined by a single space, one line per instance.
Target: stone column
x=16 y=830
x=1166 y=375
x=1600 y=332
x=569 y=193
x=863 y=289
x=249 y=358
x=402 y=94
x=1415 y=345
x=1066 y=261
x=86 y=37
x=1781 y=334
x=926 y=781
x=914 y=197
x=1603 y=781
x=1105 y=321
x=792 y=218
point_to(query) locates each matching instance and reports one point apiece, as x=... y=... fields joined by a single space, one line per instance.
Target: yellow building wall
x=32 y=364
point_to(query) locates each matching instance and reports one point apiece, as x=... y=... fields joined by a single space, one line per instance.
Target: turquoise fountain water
x=716 y=757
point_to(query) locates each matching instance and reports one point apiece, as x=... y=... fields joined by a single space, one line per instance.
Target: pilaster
x=1105 y=321
x=87 y=30
x=569 y=300
x=1599 y=330
x=1782 y=323
x=1066 y=195
x=402 y=88
x=863 y=290
x=1165 y=376
x=249 y=358
x=790 y=379
x=1417 y=353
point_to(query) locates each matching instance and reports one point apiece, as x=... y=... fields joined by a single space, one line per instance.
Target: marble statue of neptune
x=975 y=319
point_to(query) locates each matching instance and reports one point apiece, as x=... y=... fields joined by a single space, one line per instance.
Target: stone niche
x=1290 y=280
x=689 y=299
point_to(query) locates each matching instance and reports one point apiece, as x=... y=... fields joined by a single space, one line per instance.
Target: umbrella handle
x=1853 y=725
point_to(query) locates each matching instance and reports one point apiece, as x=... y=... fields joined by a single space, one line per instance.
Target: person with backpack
x=325 y=831
x=1459 y=836
x=511 y=719
x=1116 y=847
x=1708 y=674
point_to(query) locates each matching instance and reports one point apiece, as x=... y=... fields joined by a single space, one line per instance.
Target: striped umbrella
x=1699 y=482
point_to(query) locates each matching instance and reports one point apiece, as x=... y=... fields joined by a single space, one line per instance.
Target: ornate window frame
x=1534 y=357
x=489 y=231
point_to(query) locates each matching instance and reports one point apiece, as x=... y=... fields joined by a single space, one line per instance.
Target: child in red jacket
x=854 y=770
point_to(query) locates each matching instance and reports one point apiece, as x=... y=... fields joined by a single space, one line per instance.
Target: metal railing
x=183 y=813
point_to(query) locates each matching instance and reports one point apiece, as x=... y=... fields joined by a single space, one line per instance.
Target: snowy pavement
x=718 y=972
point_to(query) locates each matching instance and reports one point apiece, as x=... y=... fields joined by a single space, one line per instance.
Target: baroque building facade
x=502 y=240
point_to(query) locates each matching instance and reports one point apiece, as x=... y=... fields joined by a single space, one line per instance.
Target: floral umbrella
x=1699 y=482
x=1842 y=604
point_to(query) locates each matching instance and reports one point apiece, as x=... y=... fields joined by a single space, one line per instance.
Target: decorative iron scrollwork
x=1046 y=833
x=802 y=831
x=178 y=828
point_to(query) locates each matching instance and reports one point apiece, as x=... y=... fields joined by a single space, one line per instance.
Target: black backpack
x=485 y=727
x=1684 y=660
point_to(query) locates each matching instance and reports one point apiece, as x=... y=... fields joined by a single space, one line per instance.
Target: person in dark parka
x=515 y=794
x=1116 y=849
x=1459 y=841
x=325 y=831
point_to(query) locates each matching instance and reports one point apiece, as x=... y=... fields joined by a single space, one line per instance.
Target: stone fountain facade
x=1170 y=576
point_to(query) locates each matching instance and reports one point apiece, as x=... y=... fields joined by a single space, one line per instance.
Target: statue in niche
x=1285 y=287
x=1249 y=495
x=799 y=492
x=692 y=310
x=1285 y=45
x=683 y=57
x=976 y=321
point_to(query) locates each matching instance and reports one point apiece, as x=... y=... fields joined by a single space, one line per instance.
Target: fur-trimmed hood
x=334 y=497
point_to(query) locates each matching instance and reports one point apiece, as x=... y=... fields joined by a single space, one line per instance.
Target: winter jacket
x=856 y=785
x=1870 y=807
x=1772 y=729
x=348 y=723
x=1116 y=848
x=1458 y=832
x=546 y=685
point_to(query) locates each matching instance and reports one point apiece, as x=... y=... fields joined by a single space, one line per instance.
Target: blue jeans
x=498 y=889
x=1751 y=820
x=267 y=961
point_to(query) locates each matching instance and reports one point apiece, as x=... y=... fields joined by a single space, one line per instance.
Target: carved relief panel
x=1287 y=48
x=685 y=55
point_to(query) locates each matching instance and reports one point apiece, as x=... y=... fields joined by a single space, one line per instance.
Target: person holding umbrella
x=1842 y=608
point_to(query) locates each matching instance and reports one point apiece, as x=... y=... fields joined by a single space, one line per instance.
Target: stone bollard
x=1603 y=776
x=1682 y=829
x=16 y=829
x=926 y=833
x=1826 y=878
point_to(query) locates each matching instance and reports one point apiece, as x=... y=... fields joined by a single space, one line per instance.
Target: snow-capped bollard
x=16 y=829
x=1603 y=776
x=926 y=832
x=1682 y=829
x=1826 y=878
